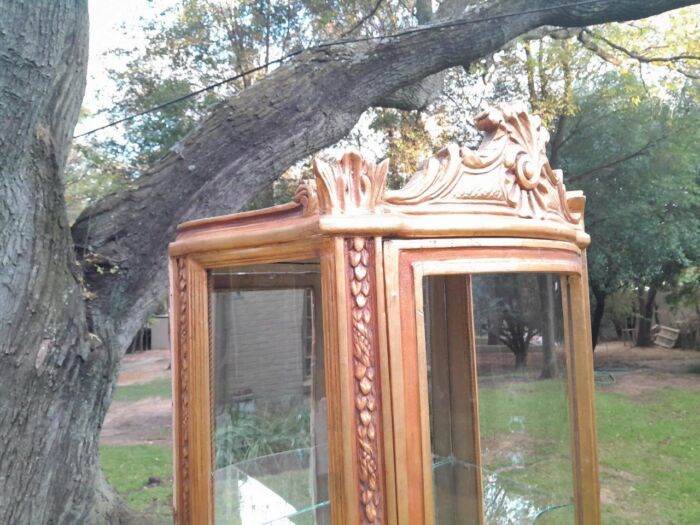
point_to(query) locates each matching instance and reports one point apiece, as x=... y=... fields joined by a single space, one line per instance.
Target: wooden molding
x=307 y=197
x=191 y=393
x=184 y=482
x=365 y=370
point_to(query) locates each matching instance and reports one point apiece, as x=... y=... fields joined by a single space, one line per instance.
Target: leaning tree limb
x=59 y=354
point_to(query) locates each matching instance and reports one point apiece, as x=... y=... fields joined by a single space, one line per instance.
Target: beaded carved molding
x=364 y=369
x=184 y=514
x=509 y=174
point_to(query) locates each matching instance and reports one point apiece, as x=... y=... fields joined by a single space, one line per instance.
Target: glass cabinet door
x=270 y=439
x=496 y=356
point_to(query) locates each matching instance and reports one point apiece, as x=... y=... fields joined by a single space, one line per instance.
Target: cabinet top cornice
x=506 y=187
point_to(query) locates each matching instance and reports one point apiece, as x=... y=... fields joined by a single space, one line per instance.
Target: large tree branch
x=362 y=20
x=587 y=38
x=597 y=169
x=416 y=96
x=427 y=90
x=252 y=138
x=641 y=57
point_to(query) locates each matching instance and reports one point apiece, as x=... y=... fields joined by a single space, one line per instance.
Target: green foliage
x=128 y=469
x=620 y=306
x=407 y=140
x=686 y=292
x=91 y=173
x=667 y=42
x=195 y=43
x=242 y=435
x=643 y=210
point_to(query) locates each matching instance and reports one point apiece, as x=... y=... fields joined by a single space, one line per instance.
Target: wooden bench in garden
x=665 y=336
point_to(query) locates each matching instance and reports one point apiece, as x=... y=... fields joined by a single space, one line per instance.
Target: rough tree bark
x=647 y=308
x=53 y=382
x=59 y=354
x=598 y=312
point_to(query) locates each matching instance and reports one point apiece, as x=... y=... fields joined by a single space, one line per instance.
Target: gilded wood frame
x=500 y=208
x=356 y=483
x=406 y=263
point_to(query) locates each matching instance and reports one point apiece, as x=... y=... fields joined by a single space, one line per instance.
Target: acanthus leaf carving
x=509 y=174
x=510 y=168
x=349 y=185
x=532 y=186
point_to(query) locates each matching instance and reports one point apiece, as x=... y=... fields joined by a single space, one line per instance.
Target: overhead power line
x=344 y=41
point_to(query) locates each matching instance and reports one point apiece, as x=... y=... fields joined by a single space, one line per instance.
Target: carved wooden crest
x=509 y=174
x=350 y=184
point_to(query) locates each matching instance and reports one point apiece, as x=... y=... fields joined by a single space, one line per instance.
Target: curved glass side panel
x=270 y=442
x=497 y=378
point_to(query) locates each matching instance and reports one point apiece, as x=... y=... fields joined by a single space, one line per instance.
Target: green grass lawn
x=649 y=451
x=128 y=469
x=156 y=388
x=649 y=454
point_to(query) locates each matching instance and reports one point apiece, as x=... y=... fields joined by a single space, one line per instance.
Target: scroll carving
x=364 y=371
x=510 y=169
x=307 y=197
x=509 y=174
x=532 y=186
x=349 y=185
x=182 y=329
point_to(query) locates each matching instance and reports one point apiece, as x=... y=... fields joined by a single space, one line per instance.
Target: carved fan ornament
x=508 y=174
x=350 y=184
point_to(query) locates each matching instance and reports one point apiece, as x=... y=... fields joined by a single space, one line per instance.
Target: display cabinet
x=361 y=355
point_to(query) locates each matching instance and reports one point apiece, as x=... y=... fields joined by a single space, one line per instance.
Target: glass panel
x=270 y=438
x=500 y=431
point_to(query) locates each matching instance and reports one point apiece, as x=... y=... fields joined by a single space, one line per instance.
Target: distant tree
x=643 y=193
x=591 y=93
x=685 y=295
x=195 y=43
x=408 y=142
x=510 y=307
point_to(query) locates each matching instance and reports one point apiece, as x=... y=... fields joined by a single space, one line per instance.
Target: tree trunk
x=521 y=359
x=598 y=312
x=618 y=328
x=548 y=329
x=55 y=379
x=647 y=307
x=59 y=354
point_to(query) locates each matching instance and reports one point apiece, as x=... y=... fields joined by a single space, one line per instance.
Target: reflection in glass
x=270 y=443
x=498 y=399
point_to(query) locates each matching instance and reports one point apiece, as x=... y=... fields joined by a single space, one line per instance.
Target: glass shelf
x=508 y=502
x=273 y=489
